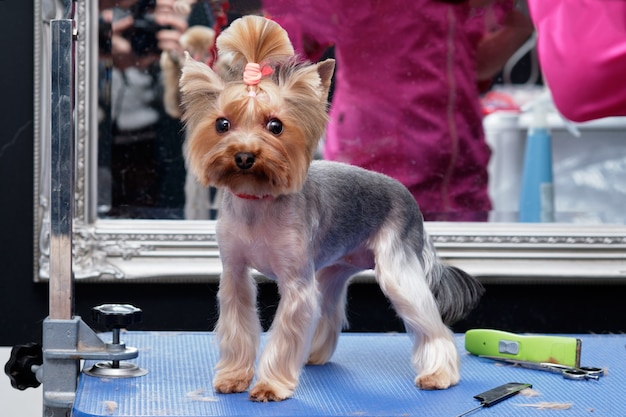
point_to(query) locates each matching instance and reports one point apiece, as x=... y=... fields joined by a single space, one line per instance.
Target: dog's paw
x=264 y=392
x=232 y=382
x=437 y=380
x=319 y=357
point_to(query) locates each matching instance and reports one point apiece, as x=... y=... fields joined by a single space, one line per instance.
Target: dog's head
x=254 y=128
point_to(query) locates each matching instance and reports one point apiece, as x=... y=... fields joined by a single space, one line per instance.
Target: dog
x=308 y=225
x=197 y=40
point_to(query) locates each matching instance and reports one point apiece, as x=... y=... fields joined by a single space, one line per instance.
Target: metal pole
x=62 y=174
x=60 y=331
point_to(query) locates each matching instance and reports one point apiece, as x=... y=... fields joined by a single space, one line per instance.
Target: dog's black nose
x=244 y=160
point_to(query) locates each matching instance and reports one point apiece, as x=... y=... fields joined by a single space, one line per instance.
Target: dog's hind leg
x=403 y=280
x=238 y=331
x=332 y=283
x=289 y=338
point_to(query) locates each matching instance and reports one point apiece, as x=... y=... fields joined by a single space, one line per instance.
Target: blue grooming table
x=369 y=375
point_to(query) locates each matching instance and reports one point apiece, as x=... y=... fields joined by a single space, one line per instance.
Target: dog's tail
x=457 y=293
x=255 y=39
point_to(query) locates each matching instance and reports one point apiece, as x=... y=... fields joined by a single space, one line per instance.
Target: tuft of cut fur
x=309 y=225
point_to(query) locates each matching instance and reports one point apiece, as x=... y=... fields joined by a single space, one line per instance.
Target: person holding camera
x=140 y=157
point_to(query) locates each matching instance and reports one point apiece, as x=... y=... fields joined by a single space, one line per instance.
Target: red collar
x=252 y=196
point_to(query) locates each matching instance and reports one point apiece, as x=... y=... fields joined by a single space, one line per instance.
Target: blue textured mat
x=370 y=375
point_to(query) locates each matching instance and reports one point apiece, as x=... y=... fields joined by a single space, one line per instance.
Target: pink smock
x=406 y=101
x=582 y=50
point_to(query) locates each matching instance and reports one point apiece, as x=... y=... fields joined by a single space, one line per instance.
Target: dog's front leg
x=289 y=340
x=238 y=330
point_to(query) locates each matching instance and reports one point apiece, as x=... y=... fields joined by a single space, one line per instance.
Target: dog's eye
x=222 y=125
x=275 y=127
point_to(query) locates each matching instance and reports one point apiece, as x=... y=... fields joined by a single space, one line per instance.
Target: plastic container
x=536 y=203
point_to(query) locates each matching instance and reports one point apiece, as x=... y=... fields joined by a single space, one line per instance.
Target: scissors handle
x=584 y=372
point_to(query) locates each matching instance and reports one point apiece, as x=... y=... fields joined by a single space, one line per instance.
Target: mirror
x=148 y=245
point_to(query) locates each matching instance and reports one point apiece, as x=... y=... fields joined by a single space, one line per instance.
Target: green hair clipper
x=532 y=348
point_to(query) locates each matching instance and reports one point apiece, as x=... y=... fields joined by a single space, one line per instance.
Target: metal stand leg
x=60 y=376
x=66 y=338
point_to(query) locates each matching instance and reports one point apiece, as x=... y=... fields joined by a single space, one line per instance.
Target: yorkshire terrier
x=197 y=40
x=309 y=226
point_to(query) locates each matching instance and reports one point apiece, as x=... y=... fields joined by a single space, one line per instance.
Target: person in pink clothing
x=582 y=50
x=406 y=101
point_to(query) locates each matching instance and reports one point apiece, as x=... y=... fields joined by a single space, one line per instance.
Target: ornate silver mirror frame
x=177 y=251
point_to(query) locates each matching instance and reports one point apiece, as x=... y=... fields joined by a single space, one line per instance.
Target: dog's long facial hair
x=309 y=226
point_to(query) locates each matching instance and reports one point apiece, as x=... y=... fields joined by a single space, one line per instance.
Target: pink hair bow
x=253 y=73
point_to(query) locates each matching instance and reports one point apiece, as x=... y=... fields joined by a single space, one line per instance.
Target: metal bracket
x=65 y=343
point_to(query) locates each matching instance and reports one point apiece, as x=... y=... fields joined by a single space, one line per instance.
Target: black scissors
x=569 y=372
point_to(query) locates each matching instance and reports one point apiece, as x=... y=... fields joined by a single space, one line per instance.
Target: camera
x=142 y=35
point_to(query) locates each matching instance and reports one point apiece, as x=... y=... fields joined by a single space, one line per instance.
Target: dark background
x=23 y=303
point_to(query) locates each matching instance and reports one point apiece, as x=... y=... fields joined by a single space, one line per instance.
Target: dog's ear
x=199 y=87
x=303 y=83
x=325 y=69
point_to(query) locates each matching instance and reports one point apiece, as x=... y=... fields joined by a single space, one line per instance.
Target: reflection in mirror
x=107 y=248
x=140 y=165
x=141 y=168
x=584 y=163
